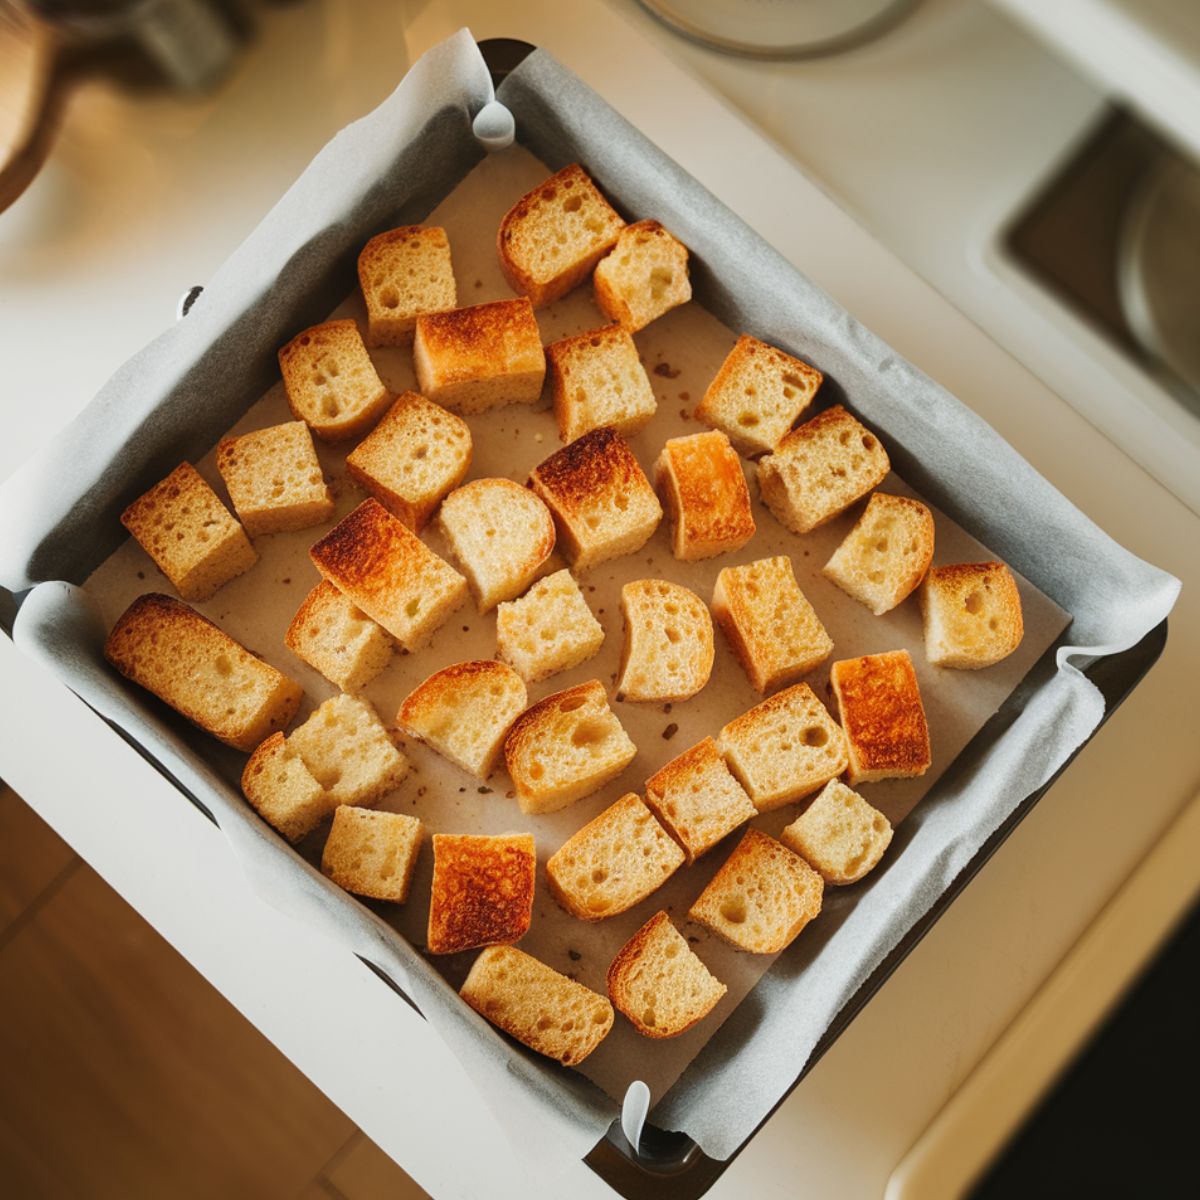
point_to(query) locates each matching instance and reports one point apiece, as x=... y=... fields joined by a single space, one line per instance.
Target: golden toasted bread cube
x=597 y=378
x=645 y=276
x=839 y=834
x=548 y=630
x=283 y=791
x=404 y=273
x=372 y=853
x=701 y=482
x=668 y=642
x=972 y=615
x=334 y=636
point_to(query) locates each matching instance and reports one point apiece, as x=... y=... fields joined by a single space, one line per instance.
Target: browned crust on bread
x=518 y=735
x=449 y=679
x=369 y=543
x=457 y=340
x=706 y=492
x=599 y=461
x=880 y=707
x=341 y=327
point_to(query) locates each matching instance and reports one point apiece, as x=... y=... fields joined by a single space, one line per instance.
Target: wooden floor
x=127 y=1075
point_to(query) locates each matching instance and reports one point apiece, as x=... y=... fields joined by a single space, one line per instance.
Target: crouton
x=335 y=637
x=283 y=791
x=644 y=276
x=549 y=629
x=372 y=853
x=597 y=378
x=972 y=614
x=668 y=642
x=404 y=273
x=839 y=834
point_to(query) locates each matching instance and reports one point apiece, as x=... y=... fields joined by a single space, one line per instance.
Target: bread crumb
x=484 y=791
x=670 y=731
x=667 y=371
x=574 y=955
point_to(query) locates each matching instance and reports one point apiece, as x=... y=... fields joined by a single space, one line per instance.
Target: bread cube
x=482 y=891
x=820 y=469
x=564 y=747
x=372 y=853
x=283 y=791
x=972 y=614
x=602 y=502
x=771 y=627
x=404 y=273
x=762 y=898
x=645 y=276
x=784 y=748
x=331 y=382
x=546 y=1011
x=201 y=672
x=274 y=479
x=597 y=378
x=550 y=629
x=885 y=556
x=550 y=240
x=485 y=356
x=839 y=834
x=615 y=861
x=758 y=395
x=334 y=636
x=412 y=458
x=668 y=642
x=879 y=704
x=701 y=482
x=190 y=534
x=659 y=983
x=500 y=533
x=390 y=574
x=465 y=711
x=697 y=800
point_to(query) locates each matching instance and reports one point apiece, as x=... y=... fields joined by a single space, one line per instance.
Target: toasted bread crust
x=600 y=461
x=949 y=589
x=463 y=338
x=700 y=478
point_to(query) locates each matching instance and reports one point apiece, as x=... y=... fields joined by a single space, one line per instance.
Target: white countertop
x=143 y=199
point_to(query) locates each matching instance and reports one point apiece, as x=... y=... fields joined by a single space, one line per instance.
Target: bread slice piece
x=697 y=800
x=820 y=469
x=762 y=897
x=485 y=356
x=546 y=1011
x=758 y=395
x=701 y=482
x=372 y=853
x=550 y=240
x=274 y=479
x=283 y=791
x=331 y=382
x=500 y=533
x=465 y=711
x=597 y=378
x=412 y=458
x=972 y=614
x=615 y=861
x=200 y=671
x=645 y=276
x=784 y=748
x=403 y=273
x=885 y=556
x=376 y=560
x=774 y=631
x=482 y=891
x=334 y=636
x=839 y=834
x=880 y=707
x=564 y=747
x=602 y=502
x=190 y=534
x=668 y=642
x=549 y=629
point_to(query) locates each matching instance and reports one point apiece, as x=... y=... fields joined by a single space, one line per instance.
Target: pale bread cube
x=485 y=356
x=615 y=861
x=879 y=705
x=372 y=853
x=283 y=791
x=597 y=378
x=758 y=395
x=784 y=748
x=416 y=455
x=820 y=469
x=546 y=1011
x=839 y=834
x=274 y=479
x=602 y=502
x=885 y=556
x=334 y=636
x=659 y=983
x=762 y=898
x=500 y=533
x=465 y=711
x=549 y=629
x=403 y=273
x=550 y=240
x=668 y=651
x=376 y=560
x=972 y=614
x=331 y=382
x=644 y=276
x=701 y=482
x=697 y=799
x=564 y=747
x=771 y=627
x=190 y=534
